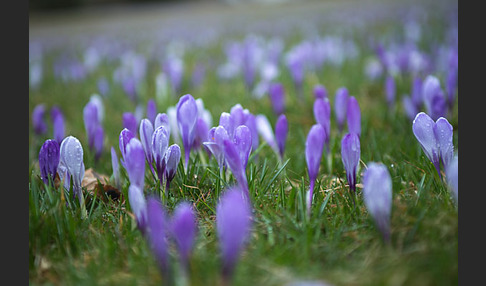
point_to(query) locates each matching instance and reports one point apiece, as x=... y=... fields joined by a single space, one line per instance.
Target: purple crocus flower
x=281 y=132
x=435 y=138
x=115 y=167
x=183 y=228
x=353 y=115
x=234 y=161
x=158 y=235
x=227 y=122
x=91 y=122
x=186 y=119
x=416 y=94
x=71 y=157
x=452 y=174
x=233 y=223
x=139 y=207
x=250 y=121
x=146 y=132
x=57 y=124
x=276 y=93
x=160 y=143
x=341 y=106
x=38 y=121
x=125 y=136
x=215 y=148
x=433 y=96
x=130 y=122
x=409 y=107
x=162 y=120
x=135 y=162
x=313 y=151
x=320 y=91
x=49 y=160
x=172 y=159
x=201 y=133
x=322 y=114
x=265 y=130
x=350 y=154
x=390 y=90
x=377 y=193
x=98 y=140
x=242 y=141
x=151 y=110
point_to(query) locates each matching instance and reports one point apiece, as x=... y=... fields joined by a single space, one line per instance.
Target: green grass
x=338 y=244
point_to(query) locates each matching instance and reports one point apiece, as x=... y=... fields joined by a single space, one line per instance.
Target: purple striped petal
x=160 y=143
x=49 y=157
x=443 y=132
x=423 y=129
x=350 y=154
x=71 y=155
x=91 y=121
x=186 y=119
x=172 y=159
x=135 y=162
x=146 y=131
x=125 y=136
x=242 y=141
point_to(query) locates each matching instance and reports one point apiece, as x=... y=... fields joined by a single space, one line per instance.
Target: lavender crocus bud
x=353 y=115
x=215 y=148
x=434 y=99
x=71 y=156
x=265 y=130
x=233 y=159
x=115 y=167
x=313 y=151
x=139 y=206
x=125 y=136
x=98 y=140
x=100 y=108
x=341 y=106
x=320 y=91
x=38 y=121
x=409 y=107
x=183 y=228
x=172 y=159
x=135 y=162
x=160 y=143
x=233 y=224
x=276 y=93
x=452 y=174
x=162 y=120
x=350 y=154
x=186 y=118
x=226 y=121
x=201 y=133
x=250 y=121
x=435 y=138
x=158 y=234
x=49 y=160
x=130 y=122
x=281 y=131
x=242 y=141
x=91 y=122
x=390 y=91
x=416 y=94
x=377 y=193
x=322 y=114
x=151 y=110
x=58 y=124
x=146 y=132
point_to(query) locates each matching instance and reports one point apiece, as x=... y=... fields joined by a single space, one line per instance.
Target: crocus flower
x=139 y=207
x=162 y=120
x=452 y=174
x=322 y=114
x=48 y=160
x=125 y=136
x=158 y=234
x=353 y=115
x=242 y=141
x=57 y=124
x=434 y=98
x=313 y=151
x=98 y=140
x=215 y=148
x=416 y=93
x=91 y=122
x=135 y=162
x=183 y=229
x=146 y=132
x=38 y=121
x=341 y=106
x=350 y=154
x=320 y=91
x=100 y=108
x=390 y=90
x=265 y=130
x=377 y=193
x=276 y=93
x=130 y=122
x=281 y=132
x=172 y=158
x=71 y=156
x=233 y=224
x=186 y=120
x=233 y=160
x=151 y=110
x=250 y=121
x=409 y=107
x=435 y=138
x=115 y=167
x=160 y=143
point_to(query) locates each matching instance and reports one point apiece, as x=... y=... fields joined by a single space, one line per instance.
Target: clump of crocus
x=157 y=236
x=322 y=115
x=186 y=119
x=377 y=193
x=452 y=173
x=233 y=224
x=350 y=154
x=281 y=132
x=341 y=106
x=49 y=160
x=313 y=151
x=353 y=115
x=435 y=139
x=172 y=159
x=71 y=157
x=183 y=229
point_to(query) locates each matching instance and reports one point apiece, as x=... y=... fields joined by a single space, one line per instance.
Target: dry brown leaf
x=98 y=184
